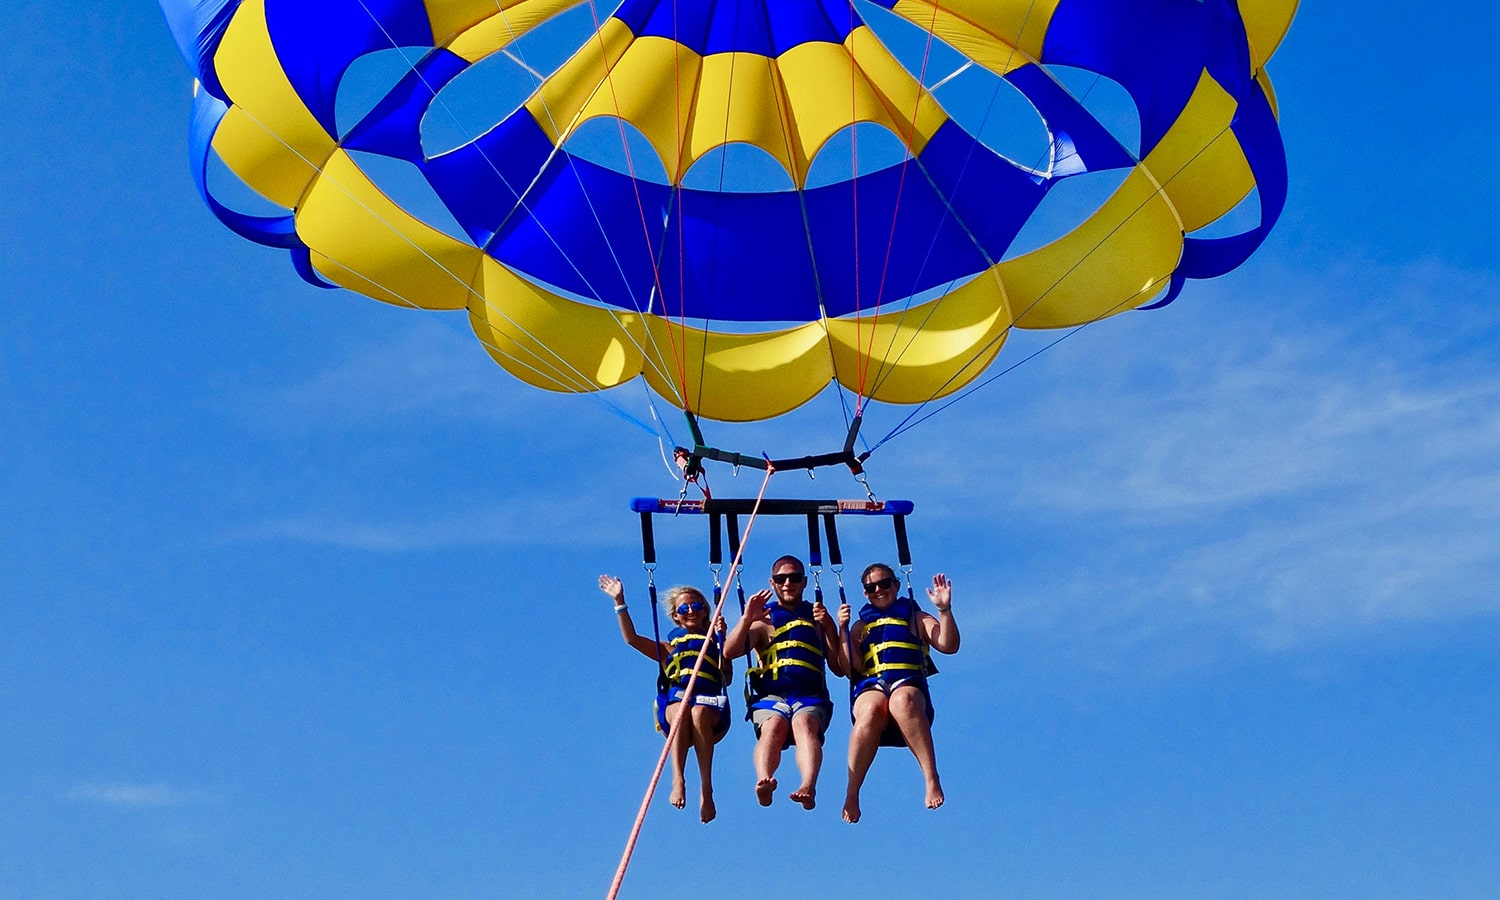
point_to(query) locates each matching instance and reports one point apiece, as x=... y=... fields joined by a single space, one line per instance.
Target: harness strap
x=793 y=624
x=783 y=663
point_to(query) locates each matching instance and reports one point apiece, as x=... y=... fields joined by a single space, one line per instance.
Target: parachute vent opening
x=1106 y=100
x=410 y=190
x=1245 y=216
x=997 y=115
x=927 y=57
x=231 y=190
x=486 y=93
x=1069 y=202
x=369 y=80
x=619 y=146
x=983 y=104
x=738 y=169
x=860 y=149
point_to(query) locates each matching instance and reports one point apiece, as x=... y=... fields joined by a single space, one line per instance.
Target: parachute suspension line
x=1005 y=332
x=912 y=419
x=888 y=365
x=861 y=354
x=557 y=368
x=682 y=361
x=661 y=761
x=968 y=157
x=800 y=185
x=520 y=200
x=713 y=257
x=584 y=384
x=907 y=139
x=655 y=349
x=678 y=353
x=989 y=261
x=660 y=444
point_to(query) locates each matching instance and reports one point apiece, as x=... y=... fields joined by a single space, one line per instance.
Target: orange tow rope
x=661 y=762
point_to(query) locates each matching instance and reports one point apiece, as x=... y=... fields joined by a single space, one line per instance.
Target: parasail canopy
x=899 y=279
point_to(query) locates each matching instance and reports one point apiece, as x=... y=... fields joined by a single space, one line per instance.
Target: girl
x=708 y=717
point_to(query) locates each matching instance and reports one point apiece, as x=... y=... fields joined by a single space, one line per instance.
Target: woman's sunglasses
x=693 y=606
x=873 y=586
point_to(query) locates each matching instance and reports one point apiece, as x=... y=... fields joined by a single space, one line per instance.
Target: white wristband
x=621 y=608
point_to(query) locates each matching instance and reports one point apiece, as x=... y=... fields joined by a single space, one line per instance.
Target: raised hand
x=612 y=586
x=755 y=606
x=941 y=592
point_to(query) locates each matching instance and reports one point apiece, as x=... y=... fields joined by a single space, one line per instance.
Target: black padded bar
x=733 y=522
x=903 y=549
x=715 y=545
x=814 y=547
x=648 y=540
x=832 y=531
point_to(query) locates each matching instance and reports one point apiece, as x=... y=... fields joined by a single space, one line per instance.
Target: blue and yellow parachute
x=899 y=281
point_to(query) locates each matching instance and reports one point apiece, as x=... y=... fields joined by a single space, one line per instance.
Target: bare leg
x=678 y=797
x=704 y=718
x=768 y=757
x=809 y=758
x=870 y=715
x=909 y=709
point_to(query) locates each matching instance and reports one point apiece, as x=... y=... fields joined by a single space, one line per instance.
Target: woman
x=889 y=661
x=708 y=718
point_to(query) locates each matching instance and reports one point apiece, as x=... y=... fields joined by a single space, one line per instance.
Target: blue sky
x=297 y=591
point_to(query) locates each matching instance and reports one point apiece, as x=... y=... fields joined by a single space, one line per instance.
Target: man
x=789 y=704
x=890 y=643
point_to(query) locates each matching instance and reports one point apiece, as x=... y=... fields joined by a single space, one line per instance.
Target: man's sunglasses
x=873 y=586
x=693 y=606
x=785 y=577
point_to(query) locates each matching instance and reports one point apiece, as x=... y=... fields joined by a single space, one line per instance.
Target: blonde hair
x=674 y=595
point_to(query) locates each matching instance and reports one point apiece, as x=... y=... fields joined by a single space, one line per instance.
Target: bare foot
x=763 y=791
x=706 y=808
x=679 y=795
x=806 y=795
x=934 y=795
x=851 y=808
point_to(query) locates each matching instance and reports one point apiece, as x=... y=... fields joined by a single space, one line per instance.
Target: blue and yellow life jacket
x=892 y=646
x=794 y=661
x=685 y=646
x=894 y=652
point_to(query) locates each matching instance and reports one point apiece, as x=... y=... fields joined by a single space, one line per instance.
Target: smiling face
x=788 y=580
x=880 y=584
x=688 y=608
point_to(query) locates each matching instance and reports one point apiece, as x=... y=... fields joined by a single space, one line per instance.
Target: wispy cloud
x=1279 y=475
x=131 y=795
x=430 y=367
x=1281 y=457
x=571 y=522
